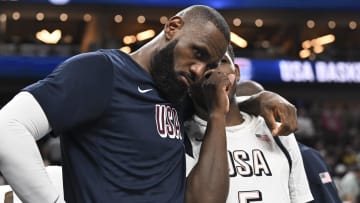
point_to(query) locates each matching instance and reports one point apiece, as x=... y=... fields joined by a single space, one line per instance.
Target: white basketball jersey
x=258 y=168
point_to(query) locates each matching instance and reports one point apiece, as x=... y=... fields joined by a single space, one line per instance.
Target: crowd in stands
x=333 y=128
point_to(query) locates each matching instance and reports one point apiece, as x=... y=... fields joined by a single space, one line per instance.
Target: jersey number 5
x=249 y=196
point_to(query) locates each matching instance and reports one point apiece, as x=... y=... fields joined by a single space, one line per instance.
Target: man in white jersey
x=262 y=168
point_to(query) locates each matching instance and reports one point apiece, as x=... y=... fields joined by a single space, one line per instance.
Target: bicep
x=76 y=92
x=24 y=110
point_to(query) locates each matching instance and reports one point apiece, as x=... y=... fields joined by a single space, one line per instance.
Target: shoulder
x=100 y=58
x=312 y=158
x=95 y=56
x=308 y=152
x=85 y=63
x=95 y=65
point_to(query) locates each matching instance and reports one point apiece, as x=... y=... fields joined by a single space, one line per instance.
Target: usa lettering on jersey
x=167 y=122
x=241 y=164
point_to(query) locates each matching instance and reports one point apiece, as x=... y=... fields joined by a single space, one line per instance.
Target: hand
x=9 y=197
x=273 y=107
x=215 y=88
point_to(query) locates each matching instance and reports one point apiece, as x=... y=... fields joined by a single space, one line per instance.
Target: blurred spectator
x=332 y=123
x=349 y=156
x=349 y=185
x=339 y=171
x=306 y=131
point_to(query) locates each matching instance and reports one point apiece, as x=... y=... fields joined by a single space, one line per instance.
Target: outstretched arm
x=269 y=105
x=209 y=179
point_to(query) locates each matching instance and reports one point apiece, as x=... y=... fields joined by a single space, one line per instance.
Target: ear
x=237 y=72
x=174 y=24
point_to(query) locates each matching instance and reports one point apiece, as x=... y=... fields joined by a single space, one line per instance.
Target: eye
x=223 y=61
x=212 y=66
x=201 y=53
x=198 y=53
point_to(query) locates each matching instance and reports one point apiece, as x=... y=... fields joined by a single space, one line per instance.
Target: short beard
x=164 y=75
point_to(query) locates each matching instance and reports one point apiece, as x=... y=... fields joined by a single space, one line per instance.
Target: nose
x=198 y=69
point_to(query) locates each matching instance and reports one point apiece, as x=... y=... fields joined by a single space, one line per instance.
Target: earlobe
x=174 y=24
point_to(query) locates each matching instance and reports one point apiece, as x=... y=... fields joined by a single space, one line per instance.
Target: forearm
x=21 y=121
x=209 y=179
x=252 y=104
x=22 y=166
x=273 y=108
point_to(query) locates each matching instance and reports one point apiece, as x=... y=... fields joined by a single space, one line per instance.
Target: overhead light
x=63 y=17
x=147 y=34
x=87 y=17
x=16 y=15
x=318 y=49
x=59 y=2
x=163 y=19
x=306 y=44
x=326 y=39
x=304 y=53
x=259 y=23
x=129 y=39
x=310 y=24
x=332 y=24
x=40 y=16
x=49 y=38
x=141 y=19
x=236 y=22
x=316 y=44
x=125 y=49
x=352 y=25
x=237 y=40
x=118 y=18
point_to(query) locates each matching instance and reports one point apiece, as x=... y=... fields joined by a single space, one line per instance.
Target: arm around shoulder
x=272 y=107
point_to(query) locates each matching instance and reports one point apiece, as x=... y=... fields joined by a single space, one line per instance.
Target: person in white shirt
x=262 y=167
x=349 y=185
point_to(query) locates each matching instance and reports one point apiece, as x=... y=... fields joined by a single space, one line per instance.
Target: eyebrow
x=204 y=52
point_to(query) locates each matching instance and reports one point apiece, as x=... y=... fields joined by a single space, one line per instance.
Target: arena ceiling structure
x=266 y=29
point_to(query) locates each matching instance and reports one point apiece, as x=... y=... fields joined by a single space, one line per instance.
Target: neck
x=144 y=54
x=234 y=117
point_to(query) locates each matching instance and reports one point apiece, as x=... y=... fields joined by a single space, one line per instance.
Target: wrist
x=217 y=116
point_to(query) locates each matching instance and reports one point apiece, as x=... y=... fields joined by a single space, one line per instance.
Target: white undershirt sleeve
x=241 y=99
x=22 y=122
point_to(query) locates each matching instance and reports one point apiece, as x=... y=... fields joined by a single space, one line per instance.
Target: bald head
x=200 y=15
